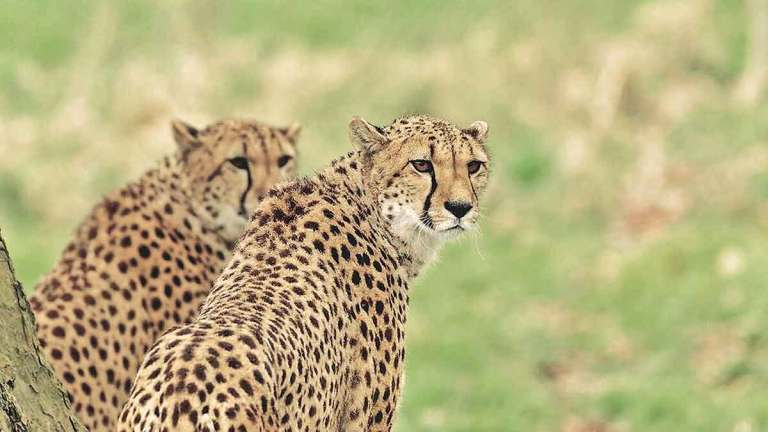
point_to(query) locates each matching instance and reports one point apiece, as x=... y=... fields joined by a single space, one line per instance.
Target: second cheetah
x=145 y=257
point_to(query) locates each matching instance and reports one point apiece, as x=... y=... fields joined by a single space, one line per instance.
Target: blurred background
x=619 y=280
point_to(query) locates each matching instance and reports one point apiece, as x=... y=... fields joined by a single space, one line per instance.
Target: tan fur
x=144 y=259
x=305 y=328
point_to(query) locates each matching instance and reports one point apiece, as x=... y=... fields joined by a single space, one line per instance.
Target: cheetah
x=304 y=329
x=144 y=259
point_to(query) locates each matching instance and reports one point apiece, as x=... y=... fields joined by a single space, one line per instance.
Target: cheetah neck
x=416 y=248
x=423 y=249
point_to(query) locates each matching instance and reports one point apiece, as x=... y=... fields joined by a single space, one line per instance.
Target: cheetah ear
x=366 y=136
x=478 y=130
x=292 y=132
x=186 y=136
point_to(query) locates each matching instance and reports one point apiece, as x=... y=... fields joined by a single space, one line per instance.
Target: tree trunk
x=31 y=398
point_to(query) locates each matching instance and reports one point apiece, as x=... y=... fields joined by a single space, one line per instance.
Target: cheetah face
x=429 y=174
x=230 y=165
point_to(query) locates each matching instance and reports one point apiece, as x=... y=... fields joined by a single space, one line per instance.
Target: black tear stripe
x=244 y=195
x=471 y=185
x=216 y=172
x=428 y=201
x=453 y=157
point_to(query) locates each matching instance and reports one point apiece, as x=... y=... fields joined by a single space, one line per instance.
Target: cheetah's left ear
x=366 y=136
x=478 y=130
x=292 y=132
x=185 y=135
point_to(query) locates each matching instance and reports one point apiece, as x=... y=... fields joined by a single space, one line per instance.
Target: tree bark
x=31 y=398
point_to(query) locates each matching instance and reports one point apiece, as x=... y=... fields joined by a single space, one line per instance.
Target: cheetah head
x=428 y=174
x=229 y=166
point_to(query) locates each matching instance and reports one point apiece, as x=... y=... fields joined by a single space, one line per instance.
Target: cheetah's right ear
x=185 y=135
x=292 y=132
x=478 y=130
x=366 y=136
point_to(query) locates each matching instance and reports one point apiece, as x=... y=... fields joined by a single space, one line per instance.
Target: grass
x=618 y=281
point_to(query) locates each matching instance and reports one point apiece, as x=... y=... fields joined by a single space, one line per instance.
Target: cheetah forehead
x=236 y=131
x=442 y=136
x=420 y=124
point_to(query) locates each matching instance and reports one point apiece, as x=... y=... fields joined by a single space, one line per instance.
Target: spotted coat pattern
x=145 y=257
x=304 y=330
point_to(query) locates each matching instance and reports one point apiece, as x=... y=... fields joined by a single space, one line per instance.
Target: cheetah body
x=304 y=330
x=142 y=261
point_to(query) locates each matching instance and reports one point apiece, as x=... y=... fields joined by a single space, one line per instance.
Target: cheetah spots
x=156 y=303
x=199 y=371
x=246 y=387
x=258 y=376
x=315 y=284
x=226 y=346
x=234 y=363
x=74 y=354
x=335 y=255
x=345 y=252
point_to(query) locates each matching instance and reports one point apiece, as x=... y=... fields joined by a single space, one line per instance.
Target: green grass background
x=619 y=280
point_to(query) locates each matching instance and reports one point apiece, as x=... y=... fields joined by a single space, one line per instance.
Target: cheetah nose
x=458 y=208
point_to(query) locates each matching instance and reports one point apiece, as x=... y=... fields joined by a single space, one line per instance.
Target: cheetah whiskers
x=474 y=232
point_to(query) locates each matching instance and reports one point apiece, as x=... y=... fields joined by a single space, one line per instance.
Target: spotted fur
x=145 y=257
x=304 y=330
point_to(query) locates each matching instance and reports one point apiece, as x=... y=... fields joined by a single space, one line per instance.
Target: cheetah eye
x=239 y=162
x=283 y=160
x=474 y=166
x=422 y=165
